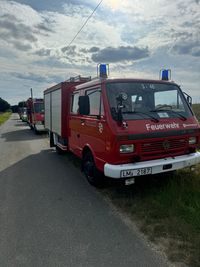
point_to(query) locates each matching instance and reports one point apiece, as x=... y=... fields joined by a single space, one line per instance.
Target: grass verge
x=196 y=109
x=167 y=210
x=4 y=116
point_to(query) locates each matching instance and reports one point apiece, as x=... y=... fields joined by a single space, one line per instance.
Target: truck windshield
x=147 y=100
x=39 y=107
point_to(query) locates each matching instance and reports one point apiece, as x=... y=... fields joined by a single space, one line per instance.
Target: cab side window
x=96 y=105
x=74 y=103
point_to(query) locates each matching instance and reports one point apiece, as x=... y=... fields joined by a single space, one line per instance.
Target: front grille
x=163 y=147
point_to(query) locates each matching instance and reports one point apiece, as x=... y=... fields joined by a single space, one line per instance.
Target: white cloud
x=24 y=13
x=32 y=41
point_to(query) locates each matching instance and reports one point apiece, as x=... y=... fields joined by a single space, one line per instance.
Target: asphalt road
x=51 y=216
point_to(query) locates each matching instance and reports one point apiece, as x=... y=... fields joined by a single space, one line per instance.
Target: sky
x=136 y=38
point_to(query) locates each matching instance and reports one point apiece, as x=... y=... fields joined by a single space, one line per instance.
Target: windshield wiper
x=160 y=107
x=170 y=110
x=140 y=113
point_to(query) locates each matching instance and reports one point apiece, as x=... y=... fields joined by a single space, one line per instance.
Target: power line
x=83 y=26
x=84 y=23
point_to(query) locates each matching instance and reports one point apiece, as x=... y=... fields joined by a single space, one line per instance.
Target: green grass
x=196 y=109
x=167 y=210
x=4 y=117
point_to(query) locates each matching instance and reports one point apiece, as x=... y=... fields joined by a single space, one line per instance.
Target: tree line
x=4 y=105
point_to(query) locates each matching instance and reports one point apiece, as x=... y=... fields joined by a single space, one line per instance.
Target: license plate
x=136 y=172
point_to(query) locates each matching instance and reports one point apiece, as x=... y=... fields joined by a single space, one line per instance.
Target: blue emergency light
x=165 y=74
x=102 y=70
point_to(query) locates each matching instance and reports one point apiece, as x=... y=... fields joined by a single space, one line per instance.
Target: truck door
x=74 y=125
x=93 y=126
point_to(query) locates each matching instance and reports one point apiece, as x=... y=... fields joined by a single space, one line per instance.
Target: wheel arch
x=87 y=148
x=98 y=162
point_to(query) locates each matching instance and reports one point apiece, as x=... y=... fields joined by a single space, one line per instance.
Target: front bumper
x=40 y=127
x=156 y=166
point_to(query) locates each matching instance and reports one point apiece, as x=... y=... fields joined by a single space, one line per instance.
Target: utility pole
x=31 y=93
x=33 y=108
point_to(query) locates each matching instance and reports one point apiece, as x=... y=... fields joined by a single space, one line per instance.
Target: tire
x=51 y=140
x=93 y=175
x=35 y=130
x=59 y=151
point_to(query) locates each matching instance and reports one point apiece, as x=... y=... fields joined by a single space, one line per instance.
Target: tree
x=14 y=108
x=22 y=104
x=4 y=105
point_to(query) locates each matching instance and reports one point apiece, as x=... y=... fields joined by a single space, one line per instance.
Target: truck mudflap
x=151 y=167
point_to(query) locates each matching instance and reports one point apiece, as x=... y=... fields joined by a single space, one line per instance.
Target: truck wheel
x=35 y=130
x=92 y=174
x=59 y=150
x=51 y=140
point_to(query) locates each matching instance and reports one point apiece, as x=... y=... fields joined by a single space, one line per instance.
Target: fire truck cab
x=126 y=128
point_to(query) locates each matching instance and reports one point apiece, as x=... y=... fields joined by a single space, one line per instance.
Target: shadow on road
x=21 y=124
x=16 y=118
x=23 y=135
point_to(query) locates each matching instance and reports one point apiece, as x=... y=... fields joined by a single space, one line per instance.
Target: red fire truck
x=123 y=128
x=35 y=114
x=22 y=110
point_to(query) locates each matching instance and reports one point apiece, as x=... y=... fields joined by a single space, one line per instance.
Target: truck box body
x=56 y=103
x=123 y=127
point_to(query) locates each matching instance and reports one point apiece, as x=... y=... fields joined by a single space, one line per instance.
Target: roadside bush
x=4 y=105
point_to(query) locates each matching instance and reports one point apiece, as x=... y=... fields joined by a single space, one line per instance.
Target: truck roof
x=98 y=81
x=35 y=99
x=72 y=81
x=61 y=85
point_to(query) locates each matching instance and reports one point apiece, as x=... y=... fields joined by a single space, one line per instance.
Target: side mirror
x=120 y=99
x=188 y=98
x=84 y=105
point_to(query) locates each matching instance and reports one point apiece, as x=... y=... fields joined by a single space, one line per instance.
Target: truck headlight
x=126 y=148
x=192 y=140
